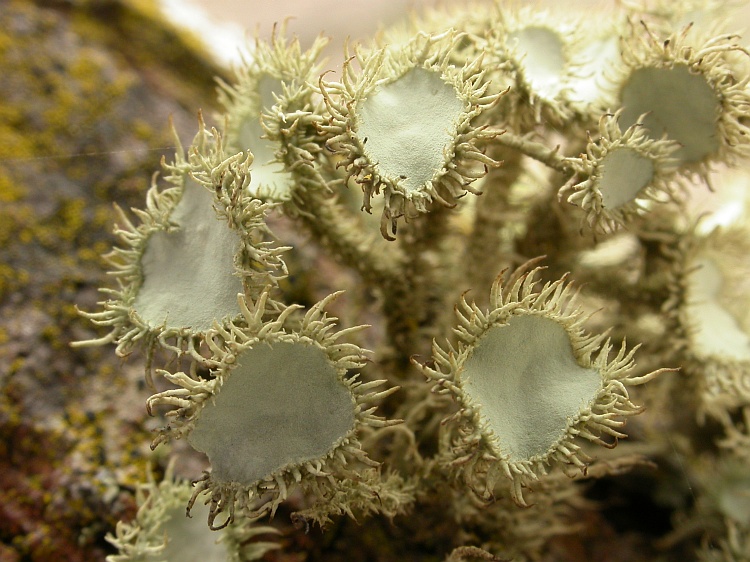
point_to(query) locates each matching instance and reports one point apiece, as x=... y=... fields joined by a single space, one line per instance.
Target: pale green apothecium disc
x=188 y=272
x=284 y=404
x=528 y=382
x=408 y=125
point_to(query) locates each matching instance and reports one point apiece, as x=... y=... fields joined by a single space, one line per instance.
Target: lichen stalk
x=484 y=244
x=335 y=229
x=550 y=157
x=427 y=281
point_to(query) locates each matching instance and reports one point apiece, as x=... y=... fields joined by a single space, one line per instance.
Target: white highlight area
x=223 y=39
x=543 y=59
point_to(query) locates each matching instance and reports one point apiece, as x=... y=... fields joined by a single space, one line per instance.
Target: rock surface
x=87 y=92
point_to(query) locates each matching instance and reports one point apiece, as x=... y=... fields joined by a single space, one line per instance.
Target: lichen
x=623 y=174
x=533 y=50
x=373 y=140
x=271 y=71
x=155 y=290
x=529 y=381
x=161 y=531
x=688 y=90
x=707 y=311
x=274 y=408
x=302 y=413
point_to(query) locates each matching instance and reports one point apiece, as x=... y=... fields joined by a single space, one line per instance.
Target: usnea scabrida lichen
x=486 y=156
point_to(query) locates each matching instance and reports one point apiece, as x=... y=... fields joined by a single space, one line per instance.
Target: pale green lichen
x=437 y=107
x=280 y=404
x=689 y=89
x=623 y=174
x=280 y=409
x=199 y=240
x=533 y=52
x=163 y=532
x=707 y=308
x=529 y=382
x=270 y=70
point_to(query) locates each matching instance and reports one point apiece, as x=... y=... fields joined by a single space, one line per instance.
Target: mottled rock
x=87 y=92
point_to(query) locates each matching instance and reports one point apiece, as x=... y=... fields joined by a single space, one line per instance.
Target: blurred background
x=224 y=24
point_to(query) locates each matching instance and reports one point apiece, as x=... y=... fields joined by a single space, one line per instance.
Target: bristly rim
x=668 y=13
x=709 y=57
x=226 y=343
x=281 y=58
x=559 y=109
x=384 y=66
x=473 y=453
x=721 y=382
x=664 y=186
x=257 y=262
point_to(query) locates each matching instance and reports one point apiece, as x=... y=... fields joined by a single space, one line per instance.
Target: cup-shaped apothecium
x=199 y=242
x=623 y=174
x=687 y=89
x=408 y=125
x=529 y=382
x=710 y=325
x=272 y=70
x=161 y=530
x=279 y=410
